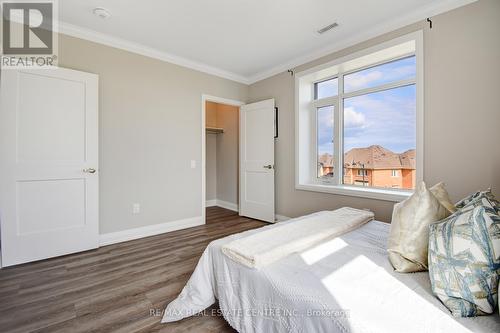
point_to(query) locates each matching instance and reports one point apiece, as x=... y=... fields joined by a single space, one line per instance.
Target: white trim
x=379 y=88
x=281 y=218
x=385 y=27
x=227 y=205
x=419 y=53
x=208 y=98
x=211 y=203
x=358 y=54
x=97 y=37
x=304 y=179
x=354 y=191
x=147 y=231
x=222 y=204
x=381 y=29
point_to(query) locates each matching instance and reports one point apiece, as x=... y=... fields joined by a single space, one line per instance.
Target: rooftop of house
x=373 y=157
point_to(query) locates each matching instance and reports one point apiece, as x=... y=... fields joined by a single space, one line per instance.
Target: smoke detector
x=101 y=12
x=327 y=28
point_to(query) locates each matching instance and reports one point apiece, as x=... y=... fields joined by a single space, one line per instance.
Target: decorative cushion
x=441 y=194
x=464 y=258
x=486 y=197
x=409 y=236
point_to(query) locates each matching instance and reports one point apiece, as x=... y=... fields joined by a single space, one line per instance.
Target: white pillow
x=441 y=194
x=409 y=236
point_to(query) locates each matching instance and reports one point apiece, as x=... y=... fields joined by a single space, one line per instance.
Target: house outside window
x=359 y=122
x=362 y=172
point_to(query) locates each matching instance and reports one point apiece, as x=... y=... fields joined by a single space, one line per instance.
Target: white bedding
x=307 y=292
x=272 y=244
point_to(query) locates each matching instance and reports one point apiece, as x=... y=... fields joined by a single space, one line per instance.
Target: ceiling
x=243 y=40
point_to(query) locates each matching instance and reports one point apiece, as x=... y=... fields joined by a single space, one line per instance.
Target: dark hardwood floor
x=114 y=288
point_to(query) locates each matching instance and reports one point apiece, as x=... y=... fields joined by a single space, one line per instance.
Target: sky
x=385 y=118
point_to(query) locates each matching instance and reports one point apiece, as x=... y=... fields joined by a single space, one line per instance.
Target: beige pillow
x=409 y=235
x=441 y=194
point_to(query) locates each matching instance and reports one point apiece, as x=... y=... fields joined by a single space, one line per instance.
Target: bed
x=344 y=284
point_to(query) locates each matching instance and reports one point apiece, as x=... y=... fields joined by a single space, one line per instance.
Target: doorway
x=220 y=160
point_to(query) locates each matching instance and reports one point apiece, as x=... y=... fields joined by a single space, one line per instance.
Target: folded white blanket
x=268 y=246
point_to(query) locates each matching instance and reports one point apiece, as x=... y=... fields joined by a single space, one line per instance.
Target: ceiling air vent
x=328 y=28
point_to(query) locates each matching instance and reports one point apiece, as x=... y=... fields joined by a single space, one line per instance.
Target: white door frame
x=209 y=98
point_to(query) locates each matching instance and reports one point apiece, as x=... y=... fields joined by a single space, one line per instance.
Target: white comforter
x=342 y=285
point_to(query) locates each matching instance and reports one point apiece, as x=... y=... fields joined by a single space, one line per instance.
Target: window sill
x=371 y=193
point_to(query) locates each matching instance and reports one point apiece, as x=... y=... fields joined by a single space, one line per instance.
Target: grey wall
x=227 y=153
x=149 y=131
x=211 y=166
x=150 y=121
x=462 y=111
x=211 y=152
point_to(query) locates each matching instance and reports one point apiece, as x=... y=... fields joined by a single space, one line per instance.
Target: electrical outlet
x=136 y=208
x=193 y=164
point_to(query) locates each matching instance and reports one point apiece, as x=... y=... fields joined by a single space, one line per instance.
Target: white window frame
x=394 y=173
x=306 y=124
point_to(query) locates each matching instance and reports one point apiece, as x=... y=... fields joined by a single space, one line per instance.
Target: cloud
x=361 y=79
x=385 y=73
x=353 y=119
x=389 y=120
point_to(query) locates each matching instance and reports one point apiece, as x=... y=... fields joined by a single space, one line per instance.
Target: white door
x=257 y=160
x=48 y=164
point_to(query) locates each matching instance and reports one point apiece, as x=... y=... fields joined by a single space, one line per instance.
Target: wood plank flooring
x=114 y=288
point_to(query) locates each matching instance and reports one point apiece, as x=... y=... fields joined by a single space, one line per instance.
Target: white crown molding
x=387 y=26
x=376 y=31
x=97 y=37
x=147 y=231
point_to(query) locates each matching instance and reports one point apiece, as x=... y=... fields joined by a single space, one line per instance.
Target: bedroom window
x=359 y=122
x=324 y=118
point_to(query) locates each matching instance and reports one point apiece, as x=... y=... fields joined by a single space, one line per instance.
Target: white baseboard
x=227 y=205
x=211 y=203
x=281 y=218
x=234 y=207
x=150 y=230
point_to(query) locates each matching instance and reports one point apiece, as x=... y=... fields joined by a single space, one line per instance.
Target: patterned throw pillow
x=464 y=258
x=486 y=197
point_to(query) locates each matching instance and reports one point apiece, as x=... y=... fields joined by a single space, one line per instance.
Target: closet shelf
x=214 y=130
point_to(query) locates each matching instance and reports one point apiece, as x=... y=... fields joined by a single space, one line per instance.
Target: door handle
x=269 y=166
x=89 y=170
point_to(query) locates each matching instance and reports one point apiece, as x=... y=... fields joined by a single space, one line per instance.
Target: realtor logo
x=29 y=37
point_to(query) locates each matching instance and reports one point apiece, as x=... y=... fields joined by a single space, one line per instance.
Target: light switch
x=136 y=208
x=193 y=164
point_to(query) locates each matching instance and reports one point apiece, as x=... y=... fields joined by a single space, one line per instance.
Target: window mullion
x=383 y=87
x=324 y=102
x=314 y=143
x=338 y=128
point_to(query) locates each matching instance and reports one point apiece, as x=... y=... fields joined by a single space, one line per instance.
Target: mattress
x=345 y=284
